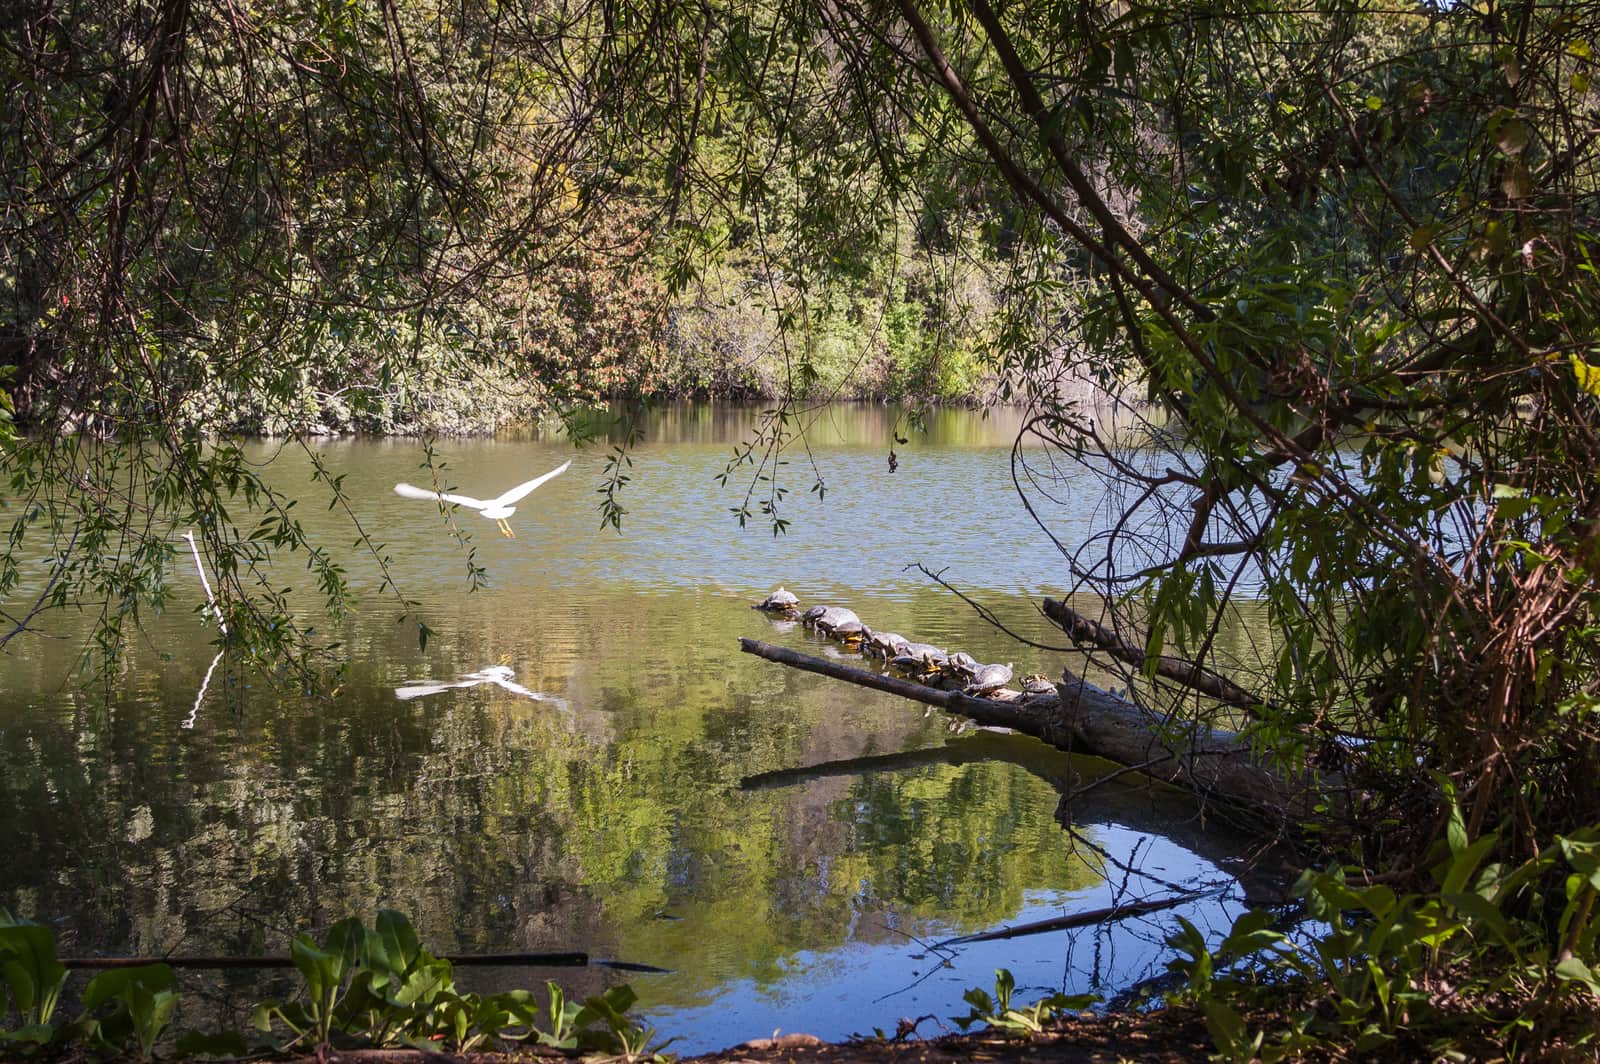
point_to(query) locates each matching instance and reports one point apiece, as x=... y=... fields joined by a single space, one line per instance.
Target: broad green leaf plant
x=360 y=986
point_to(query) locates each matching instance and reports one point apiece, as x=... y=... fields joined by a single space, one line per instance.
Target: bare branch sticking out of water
x=1093 y=916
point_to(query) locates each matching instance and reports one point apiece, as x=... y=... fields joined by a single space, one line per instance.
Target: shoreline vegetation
x=378 y=994
x=1348 y=253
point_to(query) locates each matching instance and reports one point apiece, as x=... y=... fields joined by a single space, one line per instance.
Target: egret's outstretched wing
x=417 y=688
x=522 y=489
x=526 y=692
x=491 y=674
x=411 y=492
x=517 y=689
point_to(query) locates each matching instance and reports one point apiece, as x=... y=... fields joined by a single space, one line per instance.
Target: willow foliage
x=266 y=216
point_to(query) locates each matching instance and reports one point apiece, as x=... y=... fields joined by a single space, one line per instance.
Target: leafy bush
x=361 y=986
x=142 y=1001
x=1491 y=957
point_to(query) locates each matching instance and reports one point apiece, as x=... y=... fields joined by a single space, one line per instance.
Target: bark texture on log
x=1091 y=720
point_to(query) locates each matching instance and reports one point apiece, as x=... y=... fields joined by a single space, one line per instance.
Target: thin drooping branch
x=57 y=569
x=1033 y=105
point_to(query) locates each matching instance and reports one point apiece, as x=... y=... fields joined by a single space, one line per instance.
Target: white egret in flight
x=496 y=509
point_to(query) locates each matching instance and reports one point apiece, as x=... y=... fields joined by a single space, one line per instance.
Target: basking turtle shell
x=832 y=617
x=1037 y=686
x=962 y=666
x=885 y=644
x=882 y=644
x=810 y=616
x=780 y=601
x=848 y=632
x=932 y=657
x=913 y=665
x=989 y=678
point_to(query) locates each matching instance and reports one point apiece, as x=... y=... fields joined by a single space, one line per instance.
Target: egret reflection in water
x=502 y=676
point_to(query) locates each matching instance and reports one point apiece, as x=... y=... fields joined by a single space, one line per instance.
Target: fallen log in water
x=1088 y=719
x=1081 y=629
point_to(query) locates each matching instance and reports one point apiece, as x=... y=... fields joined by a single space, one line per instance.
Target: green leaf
x=37 y=1033
x=1456 y=830
x=1227 y=1028
x=1480 y=914
x=393 y=944
x=1250 y=933
x=1573 y=970
x=145 y=998
x=1587 y=376
x=1422 y=236
x=28 y=963
x=1004 y=985
x=1464 y=862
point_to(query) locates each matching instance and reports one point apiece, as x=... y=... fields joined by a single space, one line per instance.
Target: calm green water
x=616 y=814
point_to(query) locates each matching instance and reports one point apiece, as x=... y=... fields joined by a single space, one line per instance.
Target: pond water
x=790 y=846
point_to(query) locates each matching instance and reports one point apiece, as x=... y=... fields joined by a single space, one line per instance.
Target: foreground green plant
x=382 y=987
x=1492 y=956
x=141 y=1002
x=33 y=977
x=997 y=1011
x=362 y=986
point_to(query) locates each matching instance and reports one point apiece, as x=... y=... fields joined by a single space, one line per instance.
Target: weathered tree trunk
x=1090 y=720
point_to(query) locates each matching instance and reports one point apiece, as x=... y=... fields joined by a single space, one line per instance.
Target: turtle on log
x=988 y=679
x=780 y=601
